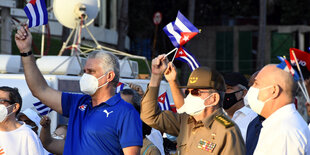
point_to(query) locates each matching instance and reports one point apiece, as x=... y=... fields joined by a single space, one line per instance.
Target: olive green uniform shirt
x=216 y=134
x=149 y=148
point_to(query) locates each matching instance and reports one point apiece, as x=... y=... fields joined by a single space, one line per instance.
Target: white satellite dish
x=68 y=12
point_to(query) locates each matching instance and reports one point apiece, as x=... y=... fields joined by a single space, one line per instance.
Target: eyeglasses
x=196 y=92
x=5 y=100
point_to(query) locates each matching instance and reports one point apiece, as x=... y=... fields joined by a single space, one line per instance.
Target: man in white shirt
x=236 y=89
x=15 y=138
x=284 y=131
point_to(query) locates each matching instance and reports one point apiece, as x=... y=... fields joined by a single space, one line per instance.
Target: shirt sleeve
x=234 y=143
x=131 y=130
x=164 y=121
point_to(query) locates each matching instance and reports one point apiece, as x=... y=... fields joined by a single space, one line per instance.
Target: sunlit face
x=93 y=67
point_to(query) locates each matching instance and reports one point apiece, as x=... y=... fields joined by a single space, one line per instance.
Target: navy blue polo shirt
x=103 y=129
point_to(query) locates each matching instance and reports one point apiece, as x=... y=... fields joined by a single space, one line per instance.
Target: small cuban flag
x=286 y=66
x=163 y=102
x=187 y=57
x=42 y=109
x=119 y=87
x=36 y=12
x=180 y=31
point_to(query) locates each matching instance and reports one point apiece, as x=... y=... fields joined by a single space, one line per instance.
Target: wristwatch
x=26 y=54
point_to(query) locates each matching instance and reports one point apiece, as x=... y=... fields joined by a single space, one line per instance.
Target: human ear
x=276 y=91
x=111 y=76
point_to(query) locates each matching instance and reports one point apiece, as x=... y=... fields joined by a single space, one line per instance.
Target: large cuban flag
x=186 y=56
x=36 y=12
x=180 y=31
x=286 y=66
x=163 y=102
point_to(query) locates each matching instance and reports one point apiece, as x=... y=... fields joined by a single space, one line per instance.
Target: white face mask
x=89 y=83
x=194 y=105
x=252 y=99
x=4 y=112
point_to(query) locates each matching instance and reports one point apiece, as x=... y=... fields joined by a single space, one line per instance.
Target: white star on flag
x=185 y=38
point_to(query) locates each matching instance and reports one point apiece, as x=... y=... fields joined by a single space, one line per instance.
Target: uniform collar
x=113 y=100
x=210 y=119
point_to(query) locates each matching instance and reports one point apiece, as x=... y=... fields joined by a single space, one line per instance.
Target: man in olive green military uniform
x=202 y=127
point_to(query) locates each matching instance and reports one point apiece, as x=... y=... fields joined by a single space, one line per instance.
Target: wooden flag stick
x=171 y=52
x=174 y=56
x=301 y=76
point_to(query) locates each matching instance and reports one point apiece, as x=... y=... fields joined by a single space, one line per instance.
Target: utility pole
x=191 y=10
x=6 y=27
x=122 y=25
x=260 y=59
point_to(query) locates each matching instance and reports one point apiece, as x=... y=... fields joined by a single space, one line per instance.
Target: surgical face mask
x=230 y=100
x=194 y=105
x=252 y=99
x=89 y=83
x=4 y=112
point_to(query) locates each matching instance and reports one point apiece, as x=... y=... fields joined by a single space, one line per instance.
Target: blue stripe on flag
x=45 y=17
x=29 y=16
x=36 y=11
x=183 y=24
x=172 y=34
x=168 y=103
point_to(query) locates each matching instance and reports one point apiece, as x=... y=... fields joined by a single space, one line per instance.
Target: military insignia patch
x=193 y=79
x=223 y=120
x=206 y=145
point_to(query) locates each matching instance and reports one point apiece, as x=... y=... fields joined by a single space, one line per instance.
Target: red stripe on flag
x=33 y=2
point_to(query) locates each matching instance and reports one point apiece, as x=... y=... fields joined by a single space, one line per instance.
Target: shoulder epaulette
x=225 y=121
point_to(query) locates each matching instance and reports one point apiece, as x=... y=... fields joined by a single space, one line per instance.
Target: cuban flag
x=42 y=109
x=119 y=87
x=187 y=57
x=286 y=66
x=303 y=59
x=36 y=12
x=163 y=102
x=180 y=31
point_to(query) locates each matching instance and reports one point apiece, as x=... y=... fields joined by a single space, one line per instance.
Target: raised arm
x=55 y=146
x=171 y=77
x=165 y=121
x=34 y=78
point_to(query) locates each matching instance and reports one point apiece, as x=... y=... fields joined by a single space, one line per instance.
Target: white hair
x=108 y=62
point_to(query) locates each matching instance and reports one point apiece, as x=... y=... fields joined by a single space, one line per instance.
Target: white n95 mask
x=89 y=83
x=4 y=112
x=194 y=105
x=252 y=99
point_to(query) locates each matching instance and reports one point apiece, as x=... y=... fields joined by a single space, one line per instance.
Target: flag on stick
x=286 y=66
x=42 y=109
x=119 y=87
x=185 y=56
x=163 y=102
x=36 y=12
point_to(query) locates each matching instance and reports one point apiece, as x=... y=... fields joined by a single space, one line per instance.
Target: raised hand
x=137 y=88
x=45 y=121
x=159 y=65
x=171 y=73
x=23 y=39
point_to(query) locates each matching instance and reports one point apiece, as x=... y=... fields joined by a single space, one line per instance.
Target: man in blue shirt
x=99 y=122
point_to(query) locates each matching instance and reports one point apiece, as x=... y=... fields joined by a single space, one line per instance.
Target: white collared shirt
x=242 y=118
x=285 y=133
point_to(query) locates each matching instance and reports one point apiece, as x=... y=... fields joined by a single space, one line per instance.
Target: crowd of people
x=217 y=113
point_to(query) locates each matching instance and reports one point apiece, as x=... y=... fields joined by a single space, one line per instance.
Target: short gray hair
x=109 y=62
